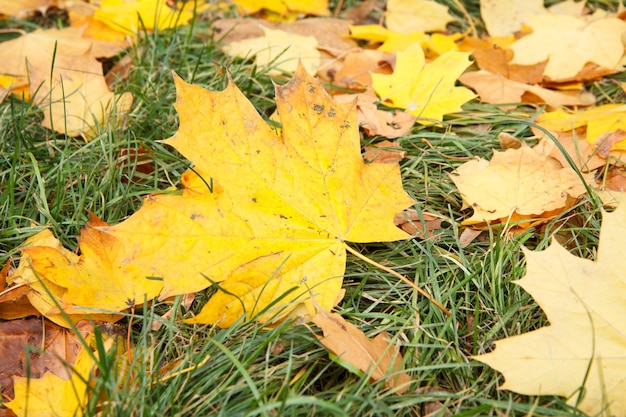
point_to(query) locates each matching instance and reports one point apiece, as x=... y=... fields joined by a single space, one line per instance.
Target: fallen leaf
x=598 y=121
x=132 y=16
x=384 y=152
x=567 y=58
x=356 y=71
x=36 y=49
x=418 y=224
x=427 y=91
x=374 y=121
x=35 y=346
x=406 y=16
x=52 y=395
x=573 y=142
x=375 y=357
x=75 y=97
x=505 y=17
x=517 y=184
x=282 y=7
x=433 y=45
x=278 y=50
x=493 y=56
x=260 y=214
x=581 y=354
x=495 y=89
x=331 y=34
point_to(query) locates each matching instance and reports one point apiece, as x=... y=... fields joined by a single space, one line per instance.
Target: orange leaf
x=376 y=357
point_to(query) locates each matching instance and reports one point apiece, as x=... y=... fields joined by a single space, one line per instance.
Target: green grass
x=48 y=180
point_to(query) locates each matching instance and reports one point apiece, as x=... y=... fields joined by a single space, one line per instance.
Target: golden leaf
x=75 y=98
x=262 y=214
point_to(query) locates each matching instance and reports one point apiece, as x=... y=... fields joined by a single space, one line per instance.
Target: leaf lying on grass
x=518 y=186
x=261 y=214
x=582 y=353
x=376 y=357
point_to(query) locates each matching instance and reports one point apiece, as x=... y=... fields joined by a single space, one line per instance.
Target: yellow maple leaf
x=262 y=214
x=51 y=395
x=279 y=49
x=517 y=184
x=127 y=15
x=406 y=16
x=427 y=91
x=582 y=353
x=569 y=42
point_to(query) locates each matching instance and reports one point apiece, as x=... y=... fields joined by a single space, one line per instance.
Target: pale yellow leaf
x=279 y=50
x=505 y=17
x=581 y=355
x=516 y=183
x=406 y=16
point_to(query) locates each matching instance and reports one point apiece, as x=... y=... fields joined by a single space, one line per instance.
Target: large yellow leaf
x=263 y=214
x=517 y=184
x=427 y=91
x=582 y=353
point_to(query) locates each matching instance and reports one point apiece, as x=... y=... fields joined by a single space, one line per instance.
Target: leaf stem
x=401 y=277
